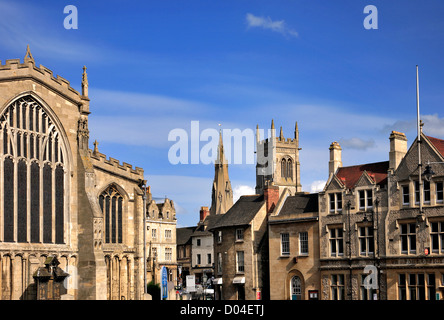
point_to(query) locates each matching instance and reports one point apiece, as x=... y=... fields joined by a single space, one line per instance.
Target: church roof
x=350 y=175
x=241 y=213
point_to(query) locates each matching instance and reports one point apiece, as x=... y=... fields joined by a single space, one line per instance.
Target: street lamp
x=142 y=185
x=428 y=172
x=204 y=284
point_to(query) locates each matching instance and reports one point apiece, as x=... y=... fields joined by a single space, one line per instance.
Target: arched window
x=111 y=203
x=296 y=288
x=33 y=171
x=283 y=168
x=289 y=169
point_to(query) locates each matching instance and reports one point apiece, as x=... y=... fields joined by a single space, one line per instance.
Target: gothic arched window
x=283 y=168
x=111 y=203
x=289 y=169
x=33 y=173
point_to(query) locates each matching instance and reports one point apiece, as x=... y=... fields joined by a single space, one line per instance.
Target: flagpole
x=419 y=143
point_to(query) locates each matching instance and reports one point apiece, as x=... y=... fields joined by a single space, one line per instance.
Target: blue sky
x=154 y=66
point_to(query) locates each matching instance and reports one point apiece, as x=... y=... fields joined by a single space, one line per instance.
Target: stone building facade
x=414 y=254
x=380 y=225
x=202 y=255
x=58 y=197
x=161 y=239
x=293 y=234
x=241 y=248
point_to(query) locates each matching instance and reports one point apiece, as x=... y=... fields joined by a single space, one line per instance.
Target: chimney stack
x=271 y=195
x=204 y=212
x=335 y=158
x=398 y=149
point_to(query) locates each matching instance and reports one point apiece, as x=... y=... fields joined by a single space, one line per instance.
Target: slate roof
x=300 y=203
x=183 y=235
x=350 y=175
x=202 y=228
x=241 y=213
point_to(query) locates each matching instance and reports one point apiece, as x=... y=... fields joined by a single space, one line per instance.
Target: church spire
x=222 y=194
x=220 y=150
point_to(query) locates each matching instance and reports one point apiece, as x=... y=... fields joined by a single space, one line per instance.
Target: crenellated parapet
x=15 y=69
x=111 y=164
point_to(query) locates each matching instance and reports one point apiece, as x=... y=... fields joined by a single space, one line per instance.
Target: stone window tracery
x=287 y=168
x=33 y=171
x=111 y=203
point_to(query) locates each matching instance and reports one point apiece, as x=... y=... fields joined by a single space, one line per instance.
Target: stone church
x=60 y=199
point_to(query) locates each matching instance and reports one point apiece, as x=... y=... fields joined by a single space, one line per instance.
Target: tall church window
x=32 y=206
x=111 y=203
x=287 y=168
x=283 y=168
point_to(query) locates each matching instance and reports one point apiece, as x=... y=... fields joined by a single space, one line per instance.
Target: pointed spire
x=84 y=82
x=272 y=123
x=28 y=55
x=220 y=150
x=281 y=135
x=222 y=194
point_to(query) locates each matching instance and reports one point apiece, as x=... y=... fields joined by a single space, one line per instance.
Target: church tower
x=278 y=161
x=222 y=194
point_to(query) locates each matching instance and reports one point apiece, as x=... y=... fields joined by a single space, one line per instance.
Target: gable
x=365 y=180
x=334 y=184
x=429 y=153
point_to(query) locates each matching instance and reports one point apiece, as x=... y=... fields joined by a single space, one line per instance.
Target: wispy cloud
x=357 y=143
x=268 y=24
x=433 y=125
x=19 y=27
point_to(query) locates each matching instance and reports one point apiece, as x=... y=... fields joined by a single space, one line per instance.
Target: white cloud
x=317 y=186
x=433 y=125
x=267 y=23
x=242 y=190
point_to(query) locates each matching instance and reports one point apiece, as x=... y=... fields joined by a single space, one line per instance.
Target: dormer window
x=335 y=200
x=365 y=199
